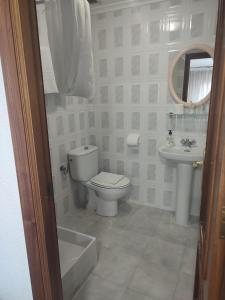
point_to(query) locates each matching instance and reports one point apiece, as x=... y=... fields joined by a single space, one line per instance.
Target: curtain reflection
x=199 y=83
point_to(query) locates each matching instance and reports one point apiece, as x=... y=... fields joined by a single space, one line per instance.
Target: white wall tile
x=135 y=120
x=118 y=37
x=119 y=66
x=154 y=64
x=102 y=42
x=119 y=93
x=104 y=94
x=153 y=93
x=135 y=34
x=103 y=67
x=119 y=120
x=135 y=65
x=135 y=93
x=132 y=52
x=197 y=25
x=154 y=32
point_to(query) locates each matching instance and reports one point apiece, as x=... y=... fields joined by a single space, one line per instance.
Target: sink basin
x=181 y=153
x=183 y=157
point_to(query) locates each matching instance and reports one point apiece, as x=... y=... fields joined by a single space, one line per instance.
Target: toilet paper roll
x=133 y=140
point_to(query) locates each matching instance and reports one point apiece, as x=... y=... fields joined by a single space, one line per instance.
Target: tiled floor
x=143 y=255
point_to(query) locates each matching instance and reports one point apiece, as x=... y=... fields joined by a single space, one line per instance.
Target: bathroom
x=132 y=231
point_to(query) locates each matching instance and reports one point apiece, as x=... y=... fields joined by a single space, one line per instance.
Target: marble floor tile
x=167 y=217
x=78 y=223
x=144 y=221
x=99 y=228
x=126 y=209
x=132 y=295
x=125 y=212
x=133 y=242
x=116 y=265
x=192 y=238
x=189 y=261
x=185 y=286
x=154 y=281
x=98 y=289
x=186 y=236
x=194 y=222
x=165 y=254
x=143 y=254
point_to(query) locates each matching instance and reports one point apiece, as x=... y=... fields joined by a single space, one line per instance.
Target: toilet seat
x=110 y=181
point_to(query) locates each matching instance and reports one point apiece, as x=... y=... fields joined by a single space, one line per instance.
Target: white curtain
x=199 y=83
x=69 y=34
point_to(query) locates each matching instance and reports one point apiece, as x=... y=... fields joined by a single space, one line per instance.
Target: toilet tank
x=83 y=162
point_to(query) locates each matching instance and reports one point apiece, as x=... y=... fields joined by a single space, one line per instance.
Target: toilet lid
x=110 y=180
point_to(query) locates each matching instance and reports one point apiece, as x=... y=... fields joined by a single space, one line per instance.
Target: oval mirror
x=190 y=75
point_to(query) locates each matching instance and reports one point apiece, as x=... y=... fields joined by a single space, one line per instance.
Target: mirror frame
x=204 y=48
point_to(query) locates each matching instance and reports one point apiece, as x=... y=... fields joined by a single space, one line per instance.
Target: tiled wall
x=133 y=48
x=132 y=51
x=68 y=128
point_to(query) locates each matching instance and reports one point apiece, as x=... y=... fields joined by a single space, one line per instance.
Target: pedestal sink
x=183 y=157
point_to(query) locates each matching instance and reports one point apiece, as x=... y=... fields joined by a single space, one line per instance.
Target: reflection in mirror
x=192 y=76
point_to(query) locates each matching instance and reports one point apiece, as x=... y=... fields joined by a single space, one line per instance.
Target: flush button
x=86 y=148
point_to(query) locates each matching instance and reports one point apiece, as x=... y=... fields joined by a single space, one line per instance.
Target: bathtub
x=78 y=256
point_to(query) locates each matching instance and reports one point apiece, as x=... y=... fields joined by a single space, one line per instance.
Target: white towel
x=50 y=86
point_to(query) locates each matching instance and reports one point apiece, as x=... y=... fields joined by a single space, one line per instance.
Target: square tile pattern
x=132 y=51
x=132 y=95
x=151 y=259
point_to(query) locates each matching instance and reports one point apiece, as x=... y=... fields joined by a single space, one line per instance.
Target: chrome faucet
x=188 y=143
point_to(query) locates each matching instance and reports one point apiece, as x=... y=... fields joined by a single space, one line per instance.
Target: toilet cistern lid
x=84 y=150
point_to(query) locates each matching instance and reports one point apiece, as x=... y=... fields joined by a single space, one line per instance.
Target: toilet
x=108 y=187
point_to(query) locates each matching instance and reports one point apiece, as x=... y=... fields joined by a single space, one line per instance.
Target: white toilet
x=108 y=187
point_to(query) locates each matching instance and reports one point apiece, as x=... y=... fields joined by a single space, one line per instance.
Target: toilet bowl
x=107 y=195
x=108 y=187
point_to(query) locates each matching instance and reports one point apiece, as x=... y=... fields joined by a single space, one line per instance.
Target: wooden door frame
x=210 y=270
x=20 y=56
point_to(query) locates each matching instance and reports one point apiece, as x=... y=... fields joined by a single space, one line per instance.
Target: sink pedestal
x=183 y=193
x=183 y=157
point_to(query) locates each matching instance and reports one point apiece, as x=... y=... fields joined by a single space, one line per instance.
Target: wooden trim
x=197 y=277
x=186 y=78
x=19 y=48
x=188 y=58
x=212 y=144
x=216 y=257
x=223 y=286
x=211 y=261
